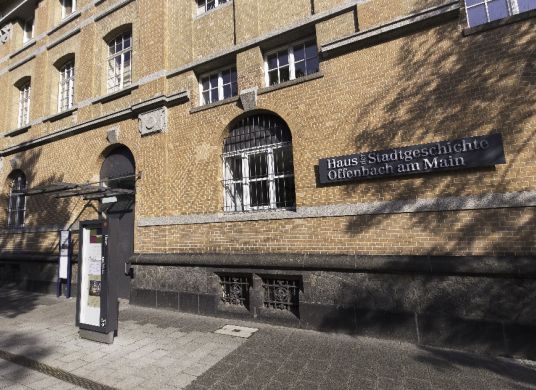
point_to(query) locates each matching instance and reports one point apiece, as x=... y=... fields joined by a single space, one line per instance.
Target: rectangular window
x=17 y=202
x=66 y=87
x=24 y=105
x=28 y=31
x=120 y=62
x=218 y=86
x=484 y=11
x=290 y=63
x=206 y=5
x=67 y=7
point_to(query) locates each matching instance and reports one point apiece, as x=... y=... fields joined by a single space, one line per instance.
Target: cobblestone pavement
x=40 y=349
x=297 y=359
x=14 y=377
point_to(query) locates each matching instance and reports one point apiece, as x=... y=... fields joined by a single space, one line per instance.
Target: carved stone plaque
x=15 y=163
x=153 y=121
x=112 y=135
x=5 y=33
x=248 y=98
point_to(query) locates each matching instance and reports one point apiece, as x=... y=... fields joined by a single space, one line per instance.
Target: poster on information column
x=91 y=276
x=65 y=253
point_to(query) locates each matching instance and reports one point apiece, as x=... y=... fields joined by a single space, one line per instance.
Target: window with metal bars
x=17 y=201
x=23 y=117
x=289 y=63
x=120 y=62
x=484 y=11
x=281 y=294
x=67 y=7
x=258 y=166
x=66 y=86
x=218 y=85
x=235 y=290
x=206 y=5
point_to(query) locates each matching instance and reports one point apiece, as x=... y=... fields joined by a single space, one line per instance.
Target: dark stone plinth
x=106 y=338
x=208 y=304
x=189 y=302
x=472 y=335
x=143 y=297
x=328 y=317
x=167 y=300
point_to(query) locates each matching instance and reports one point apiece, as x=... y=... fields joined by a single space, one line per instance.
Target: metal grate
x=234 y=290
x=258 y=165
x=281 y=294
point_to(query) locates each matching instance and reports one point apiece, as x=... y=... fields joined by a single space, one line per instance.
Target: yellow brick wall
x=485 y=232
x=429 y=86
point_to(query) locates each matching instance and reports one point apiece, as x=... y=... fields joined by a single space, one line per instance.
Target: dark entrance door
x=118 y=171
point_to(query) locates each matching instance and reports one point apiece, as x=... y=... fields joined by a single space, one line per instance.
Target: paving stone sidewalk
x=40 y=349
x=168 y=353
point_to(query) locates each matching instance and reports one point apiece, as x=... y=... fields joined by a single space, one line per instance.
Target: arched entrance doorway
x=118 y=171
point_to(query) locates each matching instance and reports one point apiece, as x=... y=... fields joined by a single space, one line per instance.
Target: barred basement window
x=235 y=290
x=484 y=11
x=258 y=166
x=23 y=117
x=17 y=201
x=66 y=87
x=218 y=86
x=120 y=62
x=281 y=294
x=290 y=63
x=206 y=5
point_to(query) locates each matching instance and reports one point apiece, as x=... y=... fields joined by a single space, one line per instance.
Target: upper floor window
x=218 y=86
x=119 y=62
x=67 y=7
x=66 y=86
x=23 y=117
x=291 y=63
x=207 y=5
x=258 y=166
x=484 y=11
x=27 y=30
x=17 y=201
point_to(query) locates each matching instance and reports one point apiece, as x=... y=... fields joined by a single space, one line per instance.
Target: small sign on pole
x=64 y=266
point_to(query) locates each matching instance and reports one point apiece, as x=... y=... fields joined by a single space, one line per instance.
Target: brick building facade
x=226 y=227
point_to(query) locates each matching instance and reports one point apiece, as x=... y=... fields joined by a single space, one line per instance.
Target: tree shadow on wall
x=446 y=86
x=29 y=255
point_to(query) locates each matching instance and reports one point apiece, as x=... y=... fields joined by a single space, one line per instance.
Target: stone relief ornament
x=153 y=121
x=5 y=33
x=15 y=163
x=248 y=98
x=112 y=135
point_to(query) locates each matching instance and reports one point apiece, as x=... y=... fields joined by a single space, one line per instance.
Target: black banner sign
x=469 y=152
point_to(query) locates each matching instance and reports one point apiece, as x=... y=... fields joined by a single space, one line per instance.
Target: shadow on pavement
x=22 y=345
x=14 y=303
x=452 y=361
